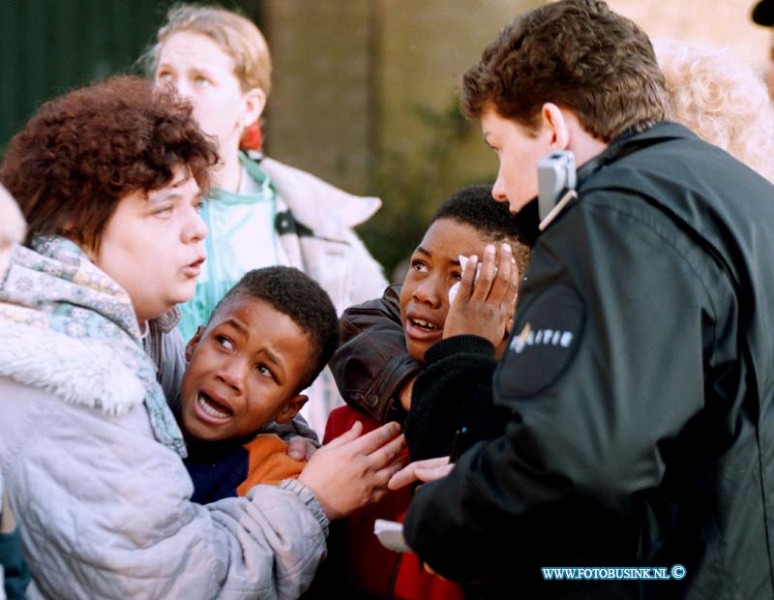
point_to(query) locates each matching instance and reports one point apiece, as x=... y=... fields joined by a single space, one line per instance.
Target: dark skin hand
x=485 y=308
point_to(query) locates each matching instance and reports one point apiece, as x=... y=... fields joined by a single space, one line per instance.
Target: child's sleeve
x=269 y=462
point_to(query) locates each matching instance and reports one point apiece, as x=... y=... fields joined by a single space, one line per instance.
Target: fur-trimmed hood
x=78 y=371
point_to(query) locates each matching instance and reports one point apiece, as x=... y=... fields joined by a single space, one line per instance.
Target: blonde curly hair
x=721 y=99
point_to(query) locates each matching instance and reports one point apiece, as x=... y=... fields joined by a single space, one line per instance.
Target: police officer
x=639 y=445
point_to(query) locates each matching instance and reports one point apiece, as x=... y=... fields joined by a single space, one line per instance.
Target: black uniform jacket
x=639 y=384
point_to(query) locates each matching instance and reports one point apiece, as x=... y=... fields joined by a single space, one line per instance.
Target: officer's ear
x=555 y=120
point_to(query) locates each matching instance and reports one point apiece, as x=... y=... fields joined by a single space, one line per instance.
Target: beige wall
x=318 y=116
x=427 y=47
x=352 y=76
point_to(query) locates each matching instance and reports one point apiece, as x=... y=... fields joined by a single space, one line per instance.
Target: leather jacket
x=372 y=364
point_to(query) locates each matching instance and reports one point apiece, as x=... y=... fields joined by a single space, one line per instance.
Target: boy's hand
x=353 y=470
x=484 y=307
x=301 y=448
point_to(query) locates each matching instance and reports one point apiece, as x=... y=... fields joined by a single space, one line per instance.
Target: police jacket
x=639 y=383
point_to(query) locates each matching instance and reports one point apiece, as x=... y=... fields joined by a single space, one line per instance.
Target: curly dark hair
x=292 y=292
x=474 y=205
x=81 y=153
x=577 y=54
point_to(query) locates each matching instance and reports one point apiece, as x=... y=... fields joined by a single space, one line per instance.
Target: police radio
x=556 y=184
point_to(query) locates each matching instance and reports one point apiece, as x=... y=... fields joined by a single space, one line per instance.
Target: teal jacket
x=316 y=235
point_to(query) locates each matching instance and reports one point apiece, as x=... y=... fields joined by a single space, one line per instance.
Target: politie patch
x=542 y=343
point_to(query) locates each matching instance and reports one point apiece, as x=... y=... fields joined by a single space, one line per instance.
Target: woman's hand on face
x=426 y=470
x=353 y=470
x=484 y=305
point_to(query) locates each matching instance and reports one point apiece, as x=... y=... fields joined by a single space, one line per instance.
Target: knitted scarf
x=55 y=287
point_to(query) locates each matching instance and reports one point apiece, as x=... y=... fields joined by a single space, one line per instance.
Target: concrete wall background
x=353 y=77
x=428 y=46
x=319 y=116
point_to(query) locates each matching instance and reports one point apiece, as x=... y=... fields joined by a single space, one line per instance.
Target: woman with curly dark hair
x=110 y=179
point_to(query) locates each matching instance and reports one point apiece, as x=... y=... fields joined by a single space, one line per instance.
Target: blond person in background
x=262 y=212
x=720 y=98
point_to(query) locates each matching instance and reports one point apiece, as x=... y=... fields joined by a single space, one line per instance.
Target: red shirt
x=371 y=567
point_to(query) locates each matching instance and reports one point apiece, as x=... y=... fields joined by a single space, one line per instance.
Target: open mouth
x=194 y=268
x=422 y=331
x=212 y=408
x=424 y=325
